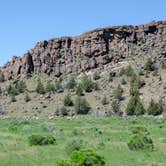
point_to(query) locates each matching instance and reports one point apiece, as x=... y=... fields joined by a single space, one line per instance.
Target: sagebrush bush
x=79 y=90
x=139 y=129
x=27 y=97
x=40 y=87
x=50 y=86
x=48 y=126
x=140 y=142
x=41 y=140
x=21 y=86
x=118 y=93
x=75 y=145
x=67 y=101
x=87 y=83
x=96 y=75
x=149 y=65
x=81 y=106
x=2 y=77
x=104 y=100
x=11 y=90
x=71 y=84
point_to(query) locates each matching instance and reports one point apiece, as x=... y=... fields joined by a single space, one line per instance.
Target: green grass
x=106 y=136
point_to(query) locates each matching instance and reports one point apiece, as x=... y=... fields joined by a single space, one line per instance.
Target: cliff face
x=93 y=49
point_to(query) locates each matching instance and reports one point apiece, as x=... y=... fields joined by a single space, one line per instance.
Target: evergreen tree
x=81 y=106
x=149 y=66
x=155 y=108
x=68 y=101
x=50 y=87
x=118 y=93
x=87 y=83
x=2 y=77
x=71 y=83
x=79 y=90
x=135 y=106
x=40 y=87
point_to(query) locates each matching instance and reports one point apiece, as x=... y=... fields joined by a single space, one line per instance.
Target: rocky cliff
x=93 y=49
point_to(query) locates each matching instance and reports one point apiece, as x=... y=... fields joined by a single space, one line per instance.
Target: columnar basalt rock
x=61 y=56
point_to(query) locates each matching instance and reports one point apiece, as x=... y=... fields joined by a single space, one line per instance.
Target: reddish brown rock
x=93 y=49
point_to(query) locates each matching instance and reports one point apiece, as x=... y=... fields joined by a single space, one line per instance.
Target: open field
x=106 y=136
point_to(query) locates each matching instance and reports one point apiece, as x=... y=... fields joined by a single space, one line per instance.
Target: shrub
x=87 y=83
x=118 y=93
x=71 y=83
x=110 y=78
x=86 y=158
x=134 y=89
x=135 y=106
x=58 y=84
x=21 y=86
x=96 y=76
x=79 y=90
x=104 y=100
x=40 y=88
x=139 y=109
x=27 y=97
x=140 y=142
x=68 y=101
x=48 y=126
x=41 y=140
x=115 y=106
x=64 y=111
x=11 y=90
x=139 y=130
x=81 y=106
x=123 y=81
x=13 y=98
x=74 y=145
x=155 y=108
x=128 y=71
x=149 y=66
x=96 y=86
x=50 y=87
x=2 y=77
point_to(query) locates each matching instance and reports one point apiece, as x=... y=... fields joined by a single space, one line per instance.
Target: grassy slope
x=112 y=143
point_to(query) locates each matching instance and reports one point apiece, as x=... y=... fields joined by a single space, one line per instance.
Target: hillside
x=105 y=55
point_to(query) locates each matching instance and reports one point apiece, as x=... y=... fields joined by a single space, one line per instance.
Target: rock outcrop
x=61 y=56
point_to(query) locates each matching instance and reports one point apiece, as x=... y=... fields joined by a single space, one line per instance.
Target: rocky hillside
x=94 y=49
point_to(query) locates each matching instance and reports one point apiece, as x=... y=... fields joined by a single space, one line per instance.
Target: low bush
x=139 y=129
x=118 y=93
x=48 y=126
x=71 y=84
x=87 y=83
x=67 y=101
x=140 y=142
x=27 y=97
x=83 y=158
x=96 y=76
x=155 y=108
x=81 y=106
x=40 y=89
x=41 y=140
x=2 y=77
x=87 y=158
x=75 y=145
x=79 y=90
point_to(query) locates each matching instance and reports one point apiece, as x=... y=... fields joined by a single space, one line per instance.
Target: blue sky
x=25 y=22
